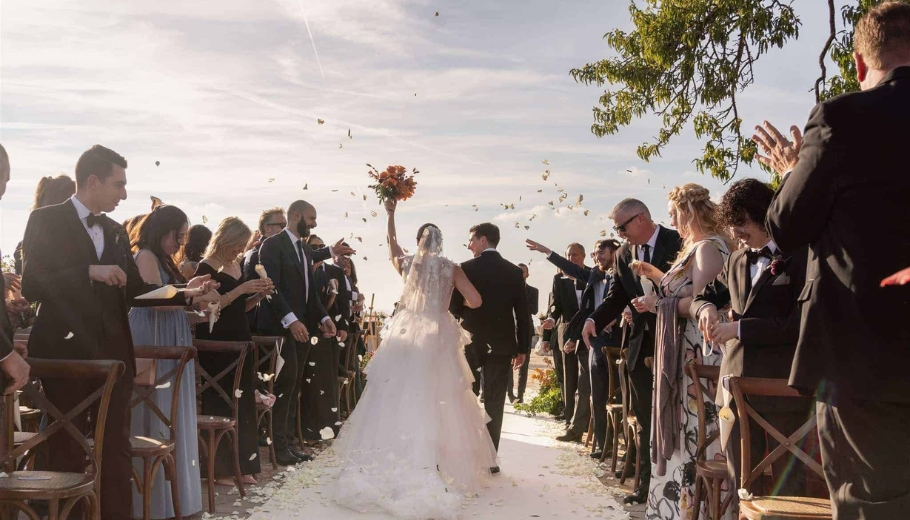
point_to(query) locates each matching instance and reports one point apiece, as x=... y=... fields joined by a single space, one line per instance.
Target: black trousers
x=319 y=390
x=496 y=371
x=578 y=380
x=600 y=392
x=556 y=349
x=641 y=380
x=522 y=379
x=287 y=390
x=865 y=447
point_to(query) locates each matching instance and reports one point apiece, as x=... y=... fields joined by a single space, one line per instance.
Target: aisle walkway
x=540 y=479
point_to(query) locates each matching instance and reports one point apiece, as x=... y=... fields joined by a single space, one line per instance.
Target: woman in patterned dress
x=678 y=343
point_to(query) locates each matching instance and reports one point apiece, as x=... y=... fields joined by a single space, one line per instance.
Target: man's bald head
x=301 y=217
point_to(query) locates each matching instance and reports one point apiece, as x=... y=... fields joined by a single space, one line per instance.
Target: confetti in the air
x=68 y=336
x=320 y=121
x=327 y=433
x=157 y=163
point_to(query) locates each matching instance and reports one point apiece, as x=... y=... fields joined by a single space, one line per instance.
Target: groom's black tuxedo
x=81 y=319
x=500 y=327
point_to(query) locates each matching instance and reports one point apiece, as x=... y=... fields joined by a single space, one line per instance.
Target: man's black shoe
x=511 y=398
x=560 y=417
x=640 y=496
x=570 y=436
x=597 y=455
x=286 y=458
x=623 y=473
x=300 y=455
x=520 y=400
x=494 y=470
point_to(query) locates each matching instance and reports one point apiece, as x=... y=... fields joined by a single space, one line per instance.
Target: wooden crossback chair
x=630 y=422
x=216 y=427
x=709 y=474
x=614 y=410
x=158 y=453
x=61 y=490
x=776 y=507
x=265 y=359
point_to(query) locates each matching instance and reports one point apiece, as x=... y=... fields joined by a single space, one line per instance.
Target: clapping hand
x=780 y=154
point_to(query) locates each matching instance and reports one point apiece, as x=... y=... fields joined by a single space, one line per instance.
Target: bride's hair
x=423 y=228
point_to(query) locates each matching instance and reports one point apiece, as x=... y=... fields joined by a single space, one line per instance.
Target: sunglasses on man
x=622 y=227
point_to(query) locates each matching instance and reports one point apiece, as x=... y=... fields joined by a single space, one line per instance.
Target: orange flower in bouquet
x=394 y=183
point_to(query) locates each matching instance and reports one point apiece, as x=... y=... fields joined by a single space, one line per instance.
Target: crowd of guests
x=794 y=284
x=83 y=272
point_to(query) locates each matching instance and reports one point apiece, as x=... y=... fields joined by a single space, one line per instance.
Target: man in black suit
x=598 y=286
x=533 y=296
x=78 y=267
x=763 y=285
x=296 y=313
x=271 y=222
x=12 y=364
x=567 y=296
x=550 y=343
x=844 y=195
x=500 y=327
x=645 y=242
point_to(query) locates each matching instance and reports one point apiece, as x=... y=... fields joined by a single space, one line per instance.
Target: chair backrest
x=746 y=386
x=107 y=372
x=350 y=351
x=612 y=354
x=207 y=381
x=265 y=358
x=709 y=373
x=143 y=394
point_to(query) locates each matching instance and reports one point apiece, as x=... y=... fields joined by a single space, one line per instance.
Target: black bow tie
x=93 y=219
x=752 y=255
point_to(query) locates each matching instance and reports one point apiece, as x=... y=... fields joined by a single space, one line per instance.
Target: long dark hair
x=153 y=228
x=197 y=240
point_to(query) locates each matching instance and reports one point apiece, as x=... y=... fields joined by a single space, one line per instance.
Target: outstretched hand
x=898 y=278
x=537 y=246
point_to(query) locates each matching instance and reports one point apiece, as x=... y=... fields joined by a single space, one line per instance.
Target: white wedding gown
x=417 y=443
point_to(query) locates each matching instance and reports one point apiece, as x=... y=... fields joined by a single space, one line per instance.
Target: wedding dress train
x=417 y=443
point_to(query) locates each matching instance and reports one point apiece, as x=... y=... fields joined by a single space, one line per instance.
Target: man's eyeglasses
x=622 y=227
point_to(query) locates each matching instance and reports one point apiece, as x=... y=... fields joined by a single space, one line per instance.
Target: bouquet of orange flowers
x=394 y=183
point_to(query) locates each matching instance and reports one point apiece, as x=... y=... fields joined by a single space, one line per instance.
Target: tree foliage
x=686 y=61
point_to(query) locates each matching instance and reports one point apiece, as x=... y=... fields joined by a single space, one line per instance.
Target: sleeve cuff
x=739 y=330
x=6 y=356
x=327 y=318
x=288 y=320
x=698 y=312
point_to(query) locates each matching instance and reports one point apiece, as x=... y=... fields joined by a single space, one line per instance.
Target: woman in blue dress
x=159 y=237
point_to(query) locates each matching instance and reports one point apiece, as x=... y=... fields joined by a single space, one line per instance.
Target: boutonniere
x=778 y=264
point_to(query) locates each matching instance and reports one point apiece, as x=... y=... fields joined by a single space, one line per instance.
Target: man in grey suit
x=844 y=195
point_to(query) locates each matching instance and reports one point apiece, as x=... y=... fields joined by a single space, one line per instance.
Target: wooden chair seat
x=61 y=485
x=712 y=469
x=614 y=408
x=785 y=508
x=210 y=422
x=148 y=447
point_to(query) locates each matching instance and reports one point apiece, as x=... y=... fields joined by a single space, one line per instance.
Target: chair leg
x=637 y=462
x=235 y=447
x=170 y=472
x=696 y=505
x=53 y=510
x=146 y=489
x=210 y=465
x=715 y=499
x=268 y=432
x=299 y=422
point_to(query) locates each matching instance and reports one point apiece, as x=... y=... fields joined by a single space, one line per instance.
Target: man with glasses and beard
x=659 y=246
x=271 y=222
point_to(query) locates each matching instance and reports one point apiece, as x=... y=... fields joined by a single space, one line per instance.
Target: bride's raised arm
x=472 y=298
x=395 y=251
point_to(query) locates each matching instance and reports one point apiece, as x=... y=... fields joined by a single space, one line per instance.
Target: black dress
x=232 y=325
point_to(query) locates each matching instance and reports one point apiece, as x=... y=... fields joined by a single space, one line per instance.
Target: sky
x=226 y=97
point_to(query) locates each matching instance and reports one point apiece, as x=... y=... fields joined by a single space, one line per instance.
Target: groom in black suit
x=296 y=313
x=78 y=267
x=500 y=327
x=844 y=194
x=658 y=246
x=762 y=284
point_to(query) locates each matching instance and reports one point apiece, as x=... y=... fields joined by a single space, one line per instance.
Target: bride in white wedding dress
x=417 y=443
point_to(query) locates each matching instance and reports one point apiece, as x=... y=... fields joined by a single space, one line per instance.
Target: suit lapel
x=657 y=256
x=82 y=238
x=742 y=274
x=763 y=279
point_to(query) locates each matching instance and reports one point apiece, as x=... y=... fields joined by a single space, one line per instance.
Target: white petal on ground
x=327 y=433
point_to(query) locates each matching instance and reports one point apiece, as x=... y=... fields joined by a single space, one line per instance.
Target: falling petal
x=338 y=318
x=305 y=186
x=68 y=336
x=194 y=462
x=271 y=179
x=527 y=228
x=338 y=423
x=403 y=331
x=345 y=214
x=373 y=213
x=320 y=121
x=205 y=219
x=308 y=380
x=253 y=456
x=341 y=343
x=546 y=162
x=312 y=363
x=268 y=441
x=314 y=340
x=238 y=393
x=334 y=409
x=327 y=433
x=437 y=14
x=364 y=219
x=587 y=211
x=157 y=163
x=603 y=233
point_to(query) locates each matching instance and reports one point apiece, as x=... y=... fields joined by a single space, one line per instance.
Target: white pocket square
x=783 y=279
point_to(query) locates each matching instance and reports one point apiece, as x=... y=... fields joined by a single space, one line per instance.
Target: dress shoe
x=560 y=417
x=303 y=457
x=569 y=436
x=597 y=455
x=520 y=400
x=494 y=470
x=286 y=458
x=626 y=471
x=640 y=496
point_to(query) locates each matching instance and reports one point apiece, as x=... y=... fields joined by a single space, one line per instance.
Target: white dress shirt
x=651 y=243
x=290 y=318
x=95 y=232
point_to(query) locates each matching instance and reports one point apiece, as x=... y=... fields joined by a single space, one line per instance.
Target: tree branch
x=821 y=57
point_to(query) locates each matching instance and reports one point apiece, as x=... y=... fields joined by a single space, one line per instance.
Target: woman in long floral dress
x=678 y=343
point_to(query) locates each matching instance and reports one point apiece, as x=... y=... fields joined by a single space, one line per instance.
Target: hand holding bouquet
x=394 y=183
